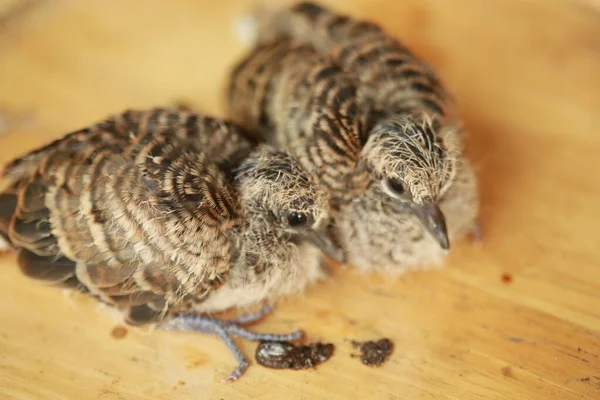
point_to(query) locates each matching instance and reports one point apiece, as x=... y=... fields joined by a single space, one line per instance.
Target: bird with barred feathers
x=423 y=192
x=168 y=215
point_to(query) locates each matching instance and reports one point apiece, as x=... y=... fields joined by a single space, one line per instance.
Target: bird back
x=302 y=100
x=130 y=210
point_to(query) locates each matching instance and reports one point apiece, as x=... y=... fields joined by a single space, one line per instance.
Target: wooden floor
x=517 y=317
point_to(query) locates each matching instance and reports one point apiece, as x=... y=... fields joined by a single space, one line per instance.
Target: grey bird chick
x=167 y=215
x=415 y=145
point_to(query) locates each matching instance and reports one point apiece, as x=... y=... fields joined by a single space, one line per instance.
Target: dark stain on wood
x=373 y=353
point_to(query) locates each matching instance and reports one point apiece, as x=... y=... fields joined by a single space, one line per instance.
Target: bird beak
x=324 y=242
x=431 y=216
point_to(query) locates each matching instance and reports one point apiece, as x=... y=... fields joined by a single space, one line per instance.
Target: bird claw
x=226 y=329
x=237 y=373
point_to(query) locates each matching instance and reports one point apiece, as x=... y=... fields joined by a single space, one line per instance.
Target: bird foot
x=226 y=329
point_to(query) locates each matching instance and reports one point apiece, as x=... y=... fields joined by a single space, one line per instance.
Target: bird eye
x=394 y=186
x=296 y=218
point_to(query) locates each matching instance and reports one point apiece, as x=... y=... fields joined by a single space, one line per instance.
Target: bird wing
x=299 y=98
x=140 y=220
x=222 y=140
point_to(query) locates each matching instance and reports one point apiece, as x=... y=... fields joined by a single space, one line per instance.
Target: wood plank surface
x=516 y=317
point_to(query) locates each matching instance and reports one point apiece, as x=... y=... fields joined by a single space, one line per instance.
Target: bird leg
x=225 y=329
x=249 y=318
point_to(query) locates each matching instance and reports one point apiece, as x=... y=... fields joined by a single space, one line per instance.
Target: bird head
x=412 y=160
x=278 y=191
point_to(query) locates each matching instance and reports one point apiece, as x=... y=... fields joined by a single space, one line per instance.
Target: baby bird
x=317 y=100
x=415 y=143
x=167 y=215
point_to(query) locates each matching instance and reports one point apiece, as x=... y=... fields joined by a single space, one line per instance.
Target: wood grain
x=517 y=317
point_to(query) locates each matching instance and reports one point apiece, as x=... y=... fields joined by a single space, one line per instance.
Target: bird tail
x=302 y=22
x=311 y=23
x=266 y=21
x=245 y=28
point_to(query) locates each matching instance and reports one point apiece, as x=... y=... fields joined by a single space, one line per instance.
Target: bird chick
x=399 y=144
x=415 y=146
x=167 y=216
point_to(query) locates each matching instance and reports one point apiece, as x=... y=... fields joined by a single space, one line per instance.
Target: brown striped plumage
x=120 y=199
x=161 y=212
x=414 y=147
x=302 y=100
x=281 y=90
x=393 y=78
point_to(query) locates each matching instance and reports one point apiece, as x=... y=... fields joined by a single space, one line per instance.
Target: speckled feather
x=302 y=100
x=161 y=211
